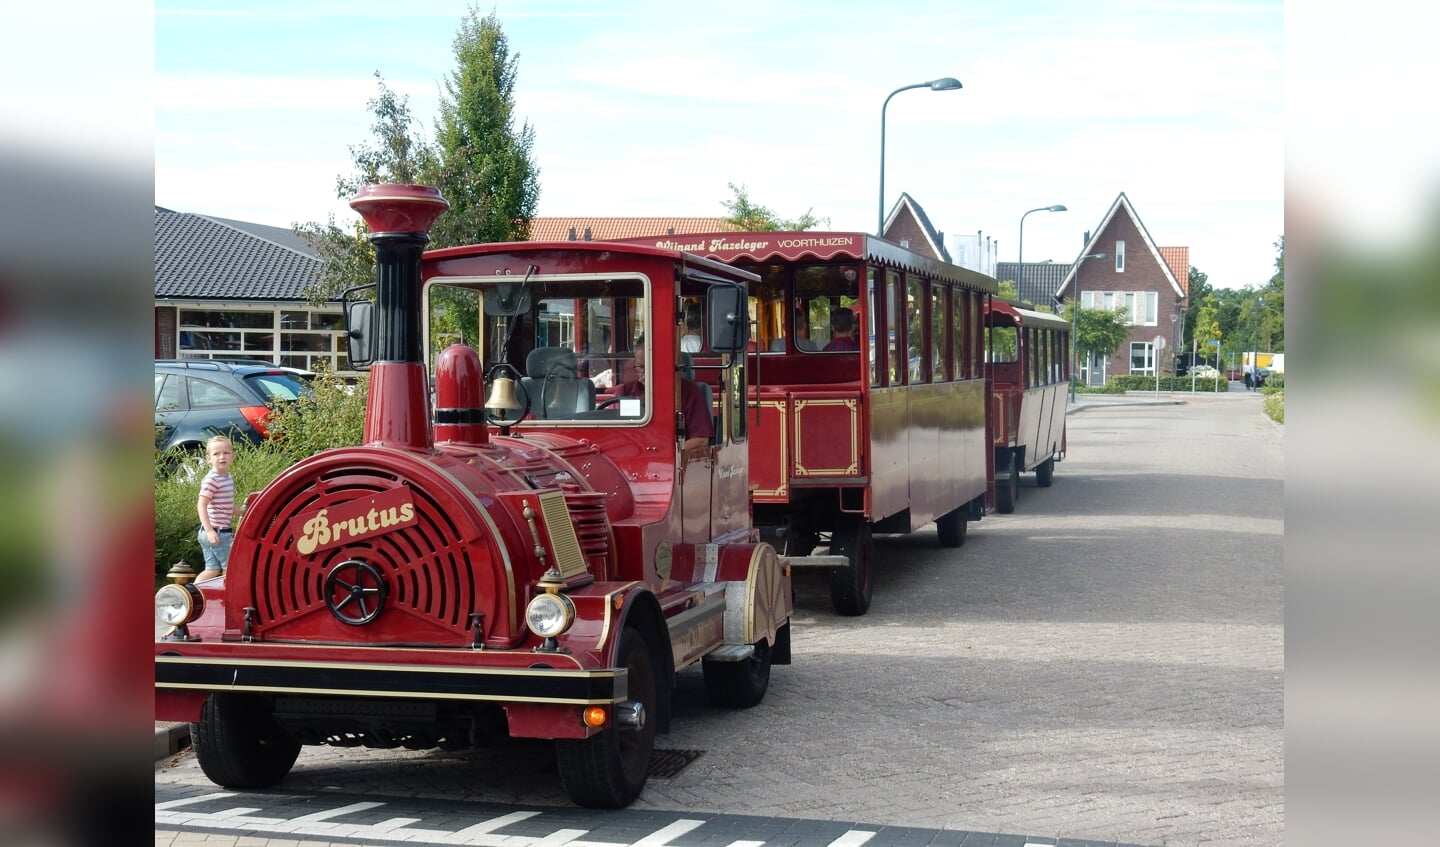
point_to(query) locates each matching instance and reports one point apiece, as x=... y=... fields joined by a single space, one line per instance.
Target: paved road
x=1103 y=666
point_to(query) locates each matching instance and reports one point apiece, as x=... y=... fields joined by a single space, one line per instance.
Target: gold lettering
x=320 y=530
x=317 y=532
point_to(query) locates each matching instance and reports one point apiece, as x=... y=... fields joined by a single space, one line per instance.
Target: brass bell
x=502 y=399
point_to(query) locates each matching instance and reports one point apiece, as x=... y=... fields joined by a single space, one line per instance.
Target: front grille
x=429 y=566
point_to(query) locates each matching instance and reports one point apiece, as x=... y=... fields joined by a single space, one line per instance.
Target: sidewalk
x=1151 y=398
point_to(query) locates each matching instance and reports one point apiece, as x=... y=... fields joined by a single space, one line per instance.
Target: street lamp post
x=944 y=83
x=1020 y=259
x=1174 y=345
x=1075 y=321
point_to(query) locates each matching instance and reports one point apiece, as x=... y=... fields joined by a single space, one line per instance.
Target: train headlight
x=178 y=604
x=550 y=615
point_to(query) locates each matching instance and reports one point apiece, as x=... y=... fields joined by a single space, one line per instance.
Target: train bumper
x=553 y=686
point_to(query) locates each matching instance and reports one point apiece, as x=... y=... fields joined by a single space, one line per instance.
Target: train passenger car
x=868 y=374
x=1030 y=362
x=518 y=557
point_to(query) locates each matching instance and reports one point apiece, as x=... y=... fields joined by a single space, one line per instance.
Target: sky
x=643 y=108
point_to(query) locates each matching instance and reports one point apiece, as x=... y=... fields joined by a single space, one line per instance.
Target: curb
x=170 y=738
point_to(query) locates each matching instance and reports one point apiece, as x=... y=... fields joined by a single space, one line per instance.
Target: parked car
x=1234 y=374
x=198 y=398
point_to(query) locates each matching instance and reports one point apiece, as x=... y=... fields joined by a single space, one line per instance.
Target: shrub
x=1140 y=382
x=333 y=415
x=1275 y=404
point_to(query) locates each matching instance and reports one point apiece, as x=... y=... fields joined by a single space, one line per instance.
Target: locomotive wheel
x=608 y=770
x=951 y=528
x=739 y=685
x=238 y=743
x=1045 y=474
x=851 y=587
x=1008 y=491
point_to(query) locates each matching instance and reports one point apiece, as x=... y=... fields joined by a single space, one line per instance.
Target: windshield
x=573 y=340
x=278 y=386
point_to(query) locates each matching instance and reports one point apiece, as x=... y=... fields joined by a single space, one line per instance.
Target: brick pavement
x=1106 y=663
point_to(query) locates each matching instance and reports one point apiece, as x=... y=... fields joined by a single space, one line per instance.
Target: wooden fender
x=757 y=593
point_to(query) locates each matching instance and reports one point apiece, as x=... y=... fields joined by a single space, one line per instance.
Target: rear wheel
x=951 y=528
x=1045 y=474
x=742 y=684
x=608 y=770
x=238 y=743
x=1007 y=491
x=850 y=586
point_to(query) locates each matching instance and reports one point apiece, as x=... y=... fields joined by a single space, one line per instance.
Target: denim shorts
x=216 y=555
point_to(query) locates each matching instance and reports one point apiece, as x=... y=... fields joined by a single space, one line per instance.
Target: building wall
x=906 y=228
x=291 y=334
x=1142 y=273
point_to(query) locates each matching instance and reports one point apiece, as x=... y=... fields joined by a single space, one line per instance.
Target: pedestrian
x=216 y=507
x=691 y=341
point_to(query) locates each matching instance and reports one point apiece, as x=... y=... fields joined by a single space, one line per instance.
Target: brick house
x=909 y=226
x=1150 y=282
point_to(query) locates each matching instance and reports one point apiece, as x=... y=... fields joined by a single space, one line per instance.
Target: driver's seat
x=553 y=384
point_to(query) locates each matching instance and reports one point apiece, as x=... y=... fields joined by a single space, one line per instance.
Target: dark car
x=195 y=399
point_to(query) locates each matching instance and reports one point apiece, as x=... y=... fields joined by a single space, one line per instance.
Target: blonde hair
x=217 y=439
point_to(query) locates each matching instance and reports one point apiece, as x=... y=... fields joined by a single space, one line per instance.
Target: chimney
x=397 y=413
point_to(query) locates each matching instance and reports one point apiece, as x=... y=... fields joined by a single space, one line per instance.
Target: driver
x=699 y=428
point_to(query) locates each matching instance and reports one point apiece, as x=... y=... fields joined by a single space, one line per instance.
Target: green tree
x=1098 y=331
x=483 y=164
x=1196 y=291
x=346 y=255
x=1008 y=290
x=743 y=215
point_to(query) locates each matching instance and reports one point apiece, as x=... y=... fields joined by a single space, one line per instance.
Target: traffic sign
x=1159 y=342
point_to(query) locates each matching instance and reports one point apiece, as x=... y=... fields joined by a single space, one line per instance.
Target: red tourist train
x=868 y=371
x=1030 y=362
x=537 y=564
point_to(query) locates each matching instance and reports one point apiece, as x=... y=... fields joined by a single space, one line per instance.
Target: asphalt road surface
x=1103 y=666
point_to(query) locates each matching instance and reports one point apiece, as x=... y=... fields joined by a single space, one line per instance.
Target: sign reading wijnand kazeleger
x=364 y=518
x=791 y=245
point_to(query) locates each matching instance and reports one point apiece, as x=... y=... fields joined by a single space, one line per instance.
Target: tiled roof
x=1178 y=258
x=1122 y=205
x=1042 y=280
x=936 y=241
x=198 y=257
x=610 y=229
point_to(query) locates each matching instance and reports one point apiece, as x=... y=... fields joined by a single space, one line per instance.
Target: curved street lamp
x=1020 y=259
x=944 y=83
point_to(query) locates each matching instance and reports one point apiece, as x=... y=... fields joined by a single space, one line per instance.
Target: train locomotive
x=512 y=554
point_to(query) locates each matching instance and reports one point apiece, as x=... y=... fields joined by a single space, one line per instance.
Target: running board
x=731 y=653
x=815 y=561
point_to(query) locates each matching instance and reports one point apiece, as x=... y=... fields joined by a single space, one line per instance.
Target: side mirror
x=360 y=332
x=728 y=318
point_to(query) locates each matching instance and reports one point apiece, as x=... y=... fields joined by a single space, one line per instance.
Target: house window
x=1119 y=257
x=300 y=338
x=1142 y=357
